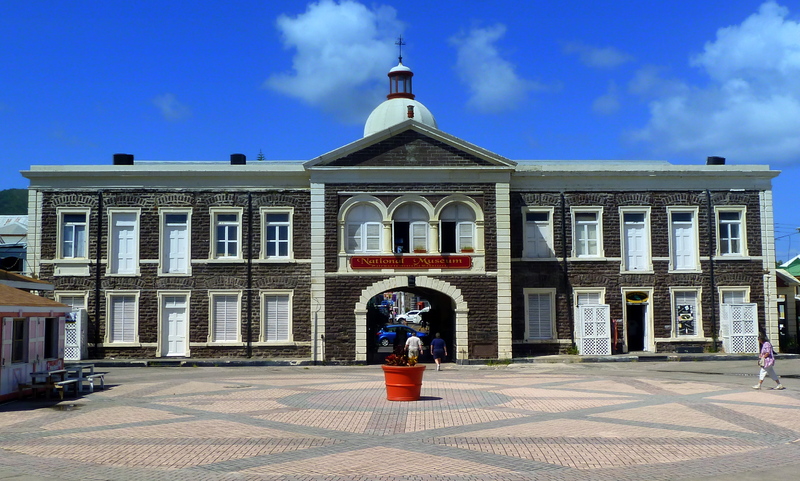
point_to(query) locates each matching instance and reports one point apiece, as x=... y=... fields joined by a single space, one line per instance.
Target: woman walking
x=767 y=362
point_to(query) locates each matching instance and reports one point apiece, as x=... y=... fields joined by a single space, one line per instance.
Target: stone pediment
x=411 y=145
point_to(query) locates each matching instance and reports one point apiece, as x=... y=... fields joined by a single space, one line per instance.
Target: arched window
x=410 y=229
x=363 y=229
x=457 y=228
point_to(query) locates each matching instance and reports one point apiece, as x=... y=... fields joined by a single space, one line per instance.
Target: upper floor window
x=175 y=242
x=410 y=224
x=124 y=242
x=227 y=233
x=683 y=240
x=538 y=229
x=73 y=227
x=457 y=228
x=539 y=313
x=636 y=240
x=363 y=229
x=277 y=233
x=730 y=231
x=587 y=236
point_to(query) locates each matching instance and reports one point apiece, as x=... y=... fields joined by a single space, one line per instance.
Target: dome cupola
x=399 y=105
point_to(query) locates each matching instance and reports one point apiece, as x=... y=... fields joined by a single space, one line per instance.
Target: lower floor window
x=51 y=338
x=685 y=311
x=276 y=317
x=539 y=314
x=225 y=318
x=122 y=320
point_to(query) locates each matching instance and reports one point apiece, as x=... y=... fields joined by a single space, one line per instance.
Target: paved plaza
x=604 y=421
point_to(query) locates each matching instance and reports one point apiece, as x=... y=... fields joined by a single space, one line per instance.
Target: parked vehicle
x=388 y=334
x=412 y=316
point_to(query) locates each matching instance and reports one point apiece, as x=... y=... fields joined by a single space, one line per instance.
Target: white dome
x=394 y=111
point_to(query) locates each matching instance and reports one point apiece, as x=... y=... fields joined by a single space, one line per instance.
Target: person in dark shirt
x=439 y=351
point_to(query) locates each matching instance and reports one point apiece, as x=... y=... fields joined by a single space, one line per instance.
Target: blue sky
x=591 y=80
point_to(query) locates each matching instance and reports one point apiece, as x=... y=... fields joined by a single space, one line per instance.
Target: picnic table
x=85 y=376
x=46 y=381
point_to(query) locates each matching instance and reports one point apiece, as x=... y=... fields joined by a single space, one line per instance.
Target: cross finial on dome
x=400 y=44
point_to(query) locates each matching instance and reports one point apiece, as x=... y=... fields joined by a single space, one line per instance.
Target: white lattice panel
x=739 y=328
x=72 y=350
x=594 y=330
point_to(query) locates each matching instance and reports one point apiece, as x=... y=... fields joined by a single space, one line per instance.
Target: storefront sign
x=411 y=262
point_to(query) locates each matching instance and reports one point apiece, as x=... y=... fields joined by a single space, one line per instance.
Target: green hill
x=13 y=201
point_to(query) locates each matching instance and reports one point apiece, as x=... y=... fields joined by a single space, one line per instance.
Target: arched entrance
x=448 y=308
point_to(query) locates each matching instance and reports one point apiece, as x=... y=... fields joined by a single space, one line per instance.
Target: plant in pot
x=403 y=377
x=467 y=249
x=420 y=249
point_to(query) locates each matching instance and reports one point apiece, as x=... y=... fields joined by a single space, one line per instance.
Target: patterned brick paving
x=334 y=423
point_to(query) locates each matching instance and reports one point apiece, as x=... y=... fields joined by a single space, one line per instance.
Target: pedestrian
x=767 y=362
x=439 y=350
x=414 y=345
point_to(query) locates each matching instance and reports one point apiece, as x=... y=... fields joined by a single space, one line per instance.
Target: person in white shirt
x=414 y=345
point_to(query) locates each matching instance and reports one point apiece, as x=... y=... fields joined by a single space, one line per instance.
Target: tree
x=14 y=202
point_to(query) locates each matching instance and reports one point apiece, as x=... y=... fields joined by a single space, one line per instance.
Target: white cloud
x=607 y=57
x=750 y=111
x=170 y=108
x=607 y=103
x=342 y=53
x=493 y=82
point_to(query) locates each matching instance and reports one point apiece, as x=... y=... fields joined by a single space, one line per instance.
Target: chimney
x=123 y=159
x=715 y=161
x=238 y=159
x=410 y=111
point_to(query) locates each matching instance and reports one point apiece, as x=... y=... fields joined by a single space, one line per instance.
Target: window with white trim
x=683 y=240
x=587 y=232
x=538 y=232
x=226 y=233
x=225 y=315
x=73 y=233
x=410 y=229
x=457 y=228
x=363 y=230
x=636 y=240
x=19 y=340
x=122 y=318
x=685 y=312
x=539 y=313
x=277 y=233
x=276 y=315
x=734 y=295
x=124 y=242
x=175 y=242
x=588 y=297
x=731 y=239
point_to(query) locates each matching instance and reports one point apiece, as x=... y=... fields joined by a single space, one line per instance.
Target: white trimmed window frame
x=551 y=295
x=582 y=292
x=648 y=262
x=214 y=213
x=113 y=213
x=723 y=244
x=110 y=295
x=698 y=315
x=673 y=265
x=263 y=301
x=352 y=219
x=63 y=253
x=723 y=290
x=576 y=241
x=264 y=212
x=212 y=321
x=162 y=240
x=528 y=229
x=61 y=297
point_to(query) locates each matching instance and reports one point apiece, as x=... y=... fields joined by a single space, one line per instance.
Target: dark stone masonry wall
x=205 y=275
x=592 y=274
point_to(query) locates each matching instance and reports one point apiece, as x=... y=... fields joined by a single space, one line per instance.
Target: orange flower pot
x=403 y=383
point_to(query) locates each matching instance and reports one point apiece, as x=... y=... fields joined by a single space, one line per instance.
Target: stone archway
x=461 y=310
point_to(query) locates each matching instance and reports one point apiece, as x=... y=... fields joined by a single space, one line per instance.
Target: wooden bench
x=91 y=378
x=61 y=386
x=35 y=388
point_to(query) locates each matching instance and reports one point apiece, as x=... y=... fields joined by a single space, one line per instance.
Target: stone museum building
x=517 y=258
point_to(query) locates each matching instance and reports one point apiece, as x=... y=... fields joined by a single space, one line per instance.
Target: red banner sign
x=411 y=262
